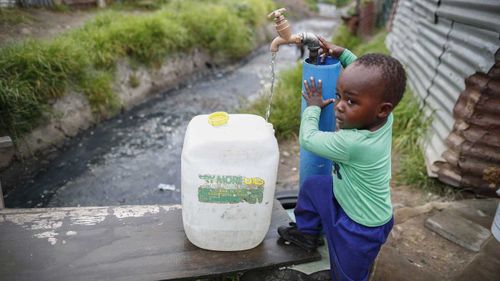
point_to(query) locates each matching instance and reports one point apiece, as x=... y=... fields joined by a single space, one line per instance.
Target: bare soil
x=423 y=252
x=40 y=23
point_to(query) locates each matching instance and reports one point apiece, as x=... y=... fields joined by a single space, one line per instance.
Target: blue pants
x=352 y=246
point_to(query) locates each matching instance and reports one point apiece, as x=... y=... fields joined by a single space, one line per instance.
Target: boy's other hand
x=313 y=95
x=330 y=48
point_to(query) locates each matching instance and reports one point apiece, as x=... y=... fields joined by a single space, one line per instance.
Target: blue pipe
x=328 y=72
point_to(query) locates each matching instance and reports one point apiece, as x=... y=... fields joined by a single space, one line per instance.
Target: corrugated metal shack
x=50 y=3
x=451 y=52
x=7 y=3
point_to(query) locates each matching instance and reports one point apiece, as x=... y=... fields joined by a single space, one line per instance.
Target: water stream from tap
x=268 y=111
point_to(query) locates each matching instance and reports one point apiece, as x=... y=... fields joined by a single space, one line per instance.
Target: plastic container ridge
x=228 y=179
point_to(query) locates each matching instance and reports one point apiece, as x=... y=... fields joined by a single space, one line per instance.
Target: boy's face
x=359 y=103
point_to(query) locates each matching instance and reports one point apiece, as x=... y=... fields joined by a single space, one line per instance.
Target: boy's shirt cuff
x=347 y=57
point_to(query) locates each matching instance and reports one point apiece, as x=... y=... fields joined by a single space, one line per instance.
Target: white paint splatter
x=50 y=235
x=134 y=211
x=52 y=220
x=40 y=221
x=172 y=207
x=88 y=216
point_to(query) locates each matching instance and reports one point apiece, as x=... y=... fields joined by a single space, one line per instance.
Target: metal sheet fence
x=36 y=3
x=7 y=3
x=442 y=43
x=49 y=3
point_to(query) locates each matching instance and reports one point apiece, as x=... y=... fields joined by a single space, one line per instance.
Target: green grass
x=312 y=5
x=346 y=39
x=34 y=73
x=410 y=125
x=13 y=16
x=375 y=45
x=338 y=3
x=409 y=128
x=133 y=5
x=285 y=110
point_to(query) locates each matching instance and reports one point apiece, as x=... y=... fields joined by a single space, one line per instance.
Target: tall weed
x=344 y=38
x=213 y=27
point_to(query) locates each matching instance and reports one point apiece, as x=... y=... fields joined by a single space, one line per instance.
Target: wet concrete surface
x=123 y=160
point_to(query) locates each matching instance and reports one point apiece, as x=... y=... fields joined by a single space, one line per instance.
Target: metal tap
x=285 y=36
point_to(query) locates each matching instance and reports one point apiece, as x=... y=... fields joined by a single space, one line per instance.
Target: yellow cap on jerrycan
x=218 y=118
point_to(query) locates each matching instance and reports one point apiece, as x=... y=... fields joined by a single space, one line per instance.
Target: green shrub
x=312 y=5
x=410 y=126
x=32 y=74
x=342 y=3
x=145 y=38
x=253 y=12
x=46 y=67
x=375 y=45
x=96 y=85
x=133 y=81
x=213 y=27
x=346 y=39
x=19 y=107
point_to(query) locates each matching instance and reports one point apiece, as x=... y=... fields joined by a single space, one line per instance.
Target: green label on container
x=230 y=189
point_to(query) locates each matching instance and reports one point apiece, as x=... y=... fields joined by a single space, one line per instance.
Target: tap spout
x=278 y=41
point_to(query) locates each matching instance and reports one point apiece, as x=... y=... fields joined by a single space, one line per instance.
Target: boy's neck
x=377 y=125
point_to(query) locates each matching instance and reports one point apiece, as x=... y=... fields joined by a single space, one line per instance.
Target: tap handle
x=277 y=14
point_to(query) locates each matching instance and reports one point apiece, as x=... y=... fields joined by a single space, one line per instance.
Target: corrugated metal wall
x=36 y=3
x=50 y=3
x=7 y=3
x=473 y=153
x=442 y=43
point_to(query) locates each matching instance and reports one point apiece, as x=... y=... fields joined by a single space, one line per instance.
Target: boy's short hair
x=392 y=72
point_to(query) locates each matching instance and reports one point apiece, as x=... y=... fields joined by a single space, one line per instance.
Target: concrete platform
x=124 y=243
x=485 y=266
x=460 y=230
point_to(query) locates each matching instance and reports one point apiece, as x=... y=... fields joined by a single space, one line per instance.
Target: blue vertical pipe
x=328 y=73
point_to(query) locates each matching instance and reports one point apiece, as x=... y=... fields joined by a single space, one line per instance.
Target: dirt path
x=39 y=23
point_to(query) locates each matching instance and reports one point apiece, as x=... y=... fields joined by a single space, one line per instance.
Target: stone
x=458 y=230
x=485 y=266
x=6 y=151
x=391 y=265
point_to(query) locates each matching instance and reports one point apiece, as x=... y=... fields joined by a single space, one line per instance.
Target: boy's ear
x=385 y=110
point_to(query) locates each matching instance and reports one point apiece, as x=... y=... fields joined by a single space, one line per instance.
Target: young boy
x=353 y=206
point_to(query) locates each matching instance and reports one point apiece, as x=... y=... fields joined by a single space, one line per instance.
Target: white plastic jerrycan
x=228 y=177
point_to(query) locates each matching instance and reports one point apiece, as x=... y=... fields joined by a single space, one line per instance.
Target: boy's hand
x=330 y=48
x=313 y=96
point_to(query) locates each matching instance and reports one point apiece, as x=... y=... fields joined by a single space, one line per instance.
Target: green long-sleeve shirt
x=361 y=178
